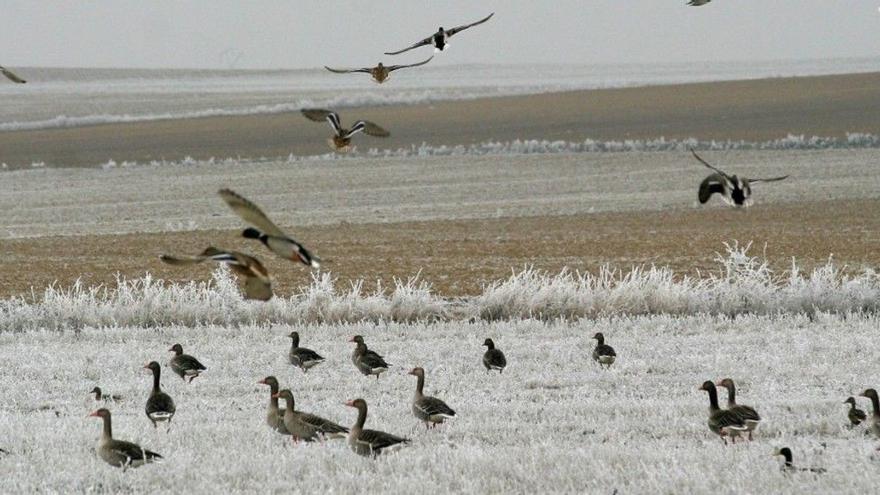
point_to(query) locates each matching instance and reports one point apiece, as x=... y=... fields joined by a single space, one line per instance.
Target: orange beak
x=276 y=396
x=93 y=413
x=350 y=403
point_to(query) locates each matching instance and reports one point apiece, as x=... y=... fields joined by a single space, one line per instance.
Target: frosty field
x=552 y=422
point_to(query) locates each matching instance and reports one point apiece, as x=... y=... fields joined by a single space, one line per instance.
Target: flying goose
x=100 y=396
x=366 y=361
x=341 y=139
x=266 y=231
x=274 y=415
x=855 y=415
x=724 y=423
x=748 y=414
x=697 y=3
x=380 y=72
x=493 y=359
x=301 y=357
x=735 y=191
x=257 y=284
x=370 y=443
x=875 y=414
x=440 y=39
x=160 y=406
x=118 y=452
x=603 y=353
x=11 y=76
x=788 y=467
x=307 y=427
x=185 y=365
x=431 y=410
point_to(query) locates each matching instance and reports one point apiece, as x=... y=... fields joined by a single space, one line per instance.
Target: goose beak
x=262 y=382
x=718 y=383
x=776 y=452
x=350 y=403
x=276 y=396
x=92 y=414
x=412 y=372
x=351 y=339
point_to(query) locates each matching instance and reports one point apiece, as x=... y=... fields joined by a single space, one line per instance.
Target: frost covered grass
x=553 y=422
x=743 y=284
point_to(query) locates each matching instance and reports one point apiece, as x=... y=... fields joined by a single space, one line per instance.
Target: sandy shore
x=750 y=110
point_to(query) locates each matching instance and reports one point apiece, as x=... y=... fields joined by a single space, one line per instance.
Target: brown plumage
x=341 y=139
x=370 y=443
x=380 y=72
x=257 y=284
x=120 y=453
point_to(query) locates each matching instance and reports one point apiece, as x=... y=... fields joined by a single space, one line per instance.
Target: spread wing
x=704 y=162
x=426 y=41
x=182 y=260
x=320 y=115
x=454 y=30
x=12 y=76
x=249 y=212
x=348 y=71
x=367 y=128
x=774 y=179
x=715 y=183
x=395 y=67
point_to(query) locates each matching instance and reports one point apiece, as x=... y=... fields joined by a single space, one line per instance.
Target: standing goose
x=274 y=414
x=440 y=39
x=431 y=410
x=11 y=75
x=307 y=427
x=185 y=365
x=493 y=359
x=875 y=414
x=257 y=284
x=380 y=72
x=735 y=191
x=366 y=361
x=370 y=443
x=160 y=406
x=118 y=452
x=855 y=415
x=603 y=353
x=100 y=396
x=749 y=415
x=341 y=139
x=300 y=356
x=789 y=467
x=266 y=231
x=722 y=422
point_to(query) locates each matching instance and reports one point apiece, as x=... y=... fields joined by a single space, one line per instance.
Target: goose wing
x=450 y=32
x=187 y=362
x=432 y=406
x=427 y=41
x=348 y=71
x=378 y=440
x=373 y=360
x=324 y=426
x=704 y=162
x=772 y=179
x=392 y=68
x=12 y=76
x=367 y=128
x=320 y=115
x=715 y=183
x=250 y=212
x=306 y=355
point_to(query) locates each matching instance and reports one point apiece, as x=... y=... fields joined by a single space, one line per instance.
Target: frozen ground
x=553 y=422
x=175 y=197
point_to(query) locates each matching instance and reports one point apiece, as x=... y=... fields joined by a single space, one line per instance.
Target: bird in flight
x=734 y=190
x=441 y=37
x=380 y=72
x=341 y=139
x=11 y=75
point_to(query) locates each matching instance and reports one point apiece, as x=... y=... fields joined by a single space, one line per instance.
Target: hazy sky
x=293 y=34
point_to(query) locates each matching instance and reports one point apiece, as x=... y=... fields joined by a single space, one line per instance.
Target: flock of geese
x=733 y=422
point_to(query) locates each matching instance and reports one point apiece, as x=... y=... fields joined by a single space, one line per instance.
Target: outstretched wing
x=12 y=76
x=426 y=41
x=182 y=260
x=368 y=128
x=320 y=115
x=704 y=162
x=450 y=32
x=392 y=68
x=249 y=212
x=774 y=179
x=347 y=71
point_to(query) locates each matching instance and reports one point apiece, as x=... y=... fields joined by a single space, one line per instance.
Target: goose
x=370 y=443
x=855 y=415
x=697 y=3
x=366 y=361
x=603 y=353
x=723 y=423
x=300 y=356
x=274 y=415
x=440 y=39
x=341 y=139
x=266 y=231
x=431 y=410
x=749 y=415
x=307 y=427
x=493 y=359
x=788 y=467
x=257 y=284
x=120 y=453
x=380 y=72
x=875 y=414
x=160 y=406
x=100 y=396
x=11 y=75
x=735 y=191
x=185 y=365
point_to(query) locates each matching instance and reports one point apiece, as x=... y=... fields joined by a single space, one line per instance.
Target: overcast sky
x=310 y=33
